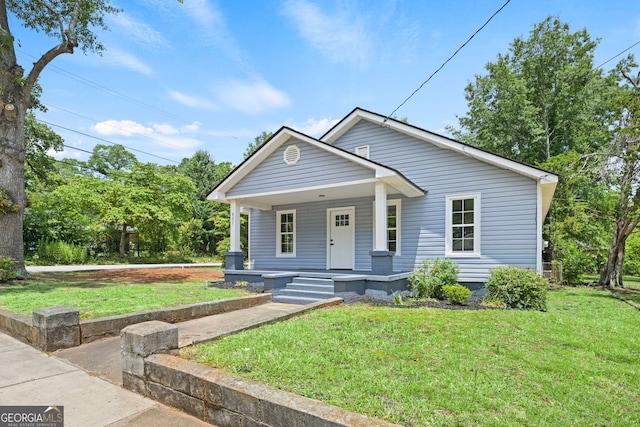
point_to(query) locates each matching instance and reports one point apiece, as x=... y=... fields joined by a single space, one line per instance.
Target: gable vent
x=291 y=155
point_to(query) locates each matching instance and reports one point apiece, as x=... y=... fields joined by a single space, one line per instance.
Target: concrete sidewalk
x=29 y=377
x=97 y=267
x=87 y=380
x=102 y=358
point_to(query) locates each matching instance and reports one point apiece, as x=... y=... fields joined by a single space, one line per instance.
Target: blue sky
x=213 y=75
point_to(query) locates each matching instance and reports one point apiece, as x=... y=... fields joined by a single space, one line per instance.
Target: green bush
x=457 y=293
x=7 y=269
x=429 y=278
x=61 y=253
x=517 y=288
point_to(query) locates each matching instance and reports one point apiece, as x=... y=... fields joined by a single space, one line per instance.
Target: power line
x=104 y=140
x=109 y=125
x=448 y=59
x=615 y=56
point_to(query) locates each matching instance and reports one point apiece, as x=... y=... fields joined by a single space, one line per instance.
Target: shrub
x=457 y=293
x=61 y=253
x=429 y=278
x=518 y=288
x=7 y=269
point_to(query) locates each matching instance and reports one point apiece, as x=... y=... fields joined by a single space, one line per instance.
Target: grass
x=95 y=299
x=576 y=364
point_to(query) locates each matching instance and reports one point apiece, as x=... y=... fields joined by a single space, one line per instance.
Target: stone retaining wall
x=215 y=396
x=17 y=325
x=54 y=328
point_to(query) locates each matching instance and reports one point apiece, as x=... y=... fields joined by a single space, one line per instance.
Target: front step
x=304 y=290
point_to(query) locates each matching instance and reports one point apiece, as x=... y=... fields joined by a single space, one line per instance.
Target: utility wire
x=104 y=140
x=615 y=56
x=448 y=59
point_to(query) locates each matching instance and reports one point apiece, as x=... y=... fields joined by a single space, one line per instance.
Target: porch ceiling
x=347 y=190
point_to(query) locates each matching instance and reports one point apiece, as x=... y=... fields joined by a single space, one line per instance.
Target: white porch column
x=235 y=226
x=381 y=216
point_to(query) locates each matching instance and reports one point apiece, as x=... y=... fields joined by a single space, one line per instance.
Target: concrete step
x=305 y=293
x=294 y=299
x=305 y=290
x=310 y=287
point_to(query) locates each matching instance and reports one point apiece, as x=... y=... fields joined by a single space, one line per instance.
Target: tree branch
x=68 y=44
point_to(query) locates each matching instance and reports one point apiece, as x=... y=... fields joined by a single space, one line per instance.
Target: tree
x=541 y=99
x=258 y=141
x=71 y=22
x=105 y=158
x=544 y=99
x=199 y=234
x=623 y=163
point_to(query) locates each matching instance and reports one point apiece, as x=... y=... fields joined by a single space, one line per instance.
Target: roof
x=394 y=178
x=548 y=180
x=398 y=183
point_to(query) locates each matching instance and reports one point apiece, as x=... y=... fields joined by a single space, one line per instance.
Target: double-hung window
x=393 y=225
x=463 y=225
x=286 y=235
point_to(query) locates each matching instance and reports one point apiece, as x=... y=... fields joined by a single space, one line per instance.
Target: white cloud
x=191 y=101
x=121 y=127
x=341 y=37
x=121 y=58
x=212 y=29
x=315 y=127
x=138 y=31
x=165 y=129
x=252 y=97
x=161 y=134
x=193 y=127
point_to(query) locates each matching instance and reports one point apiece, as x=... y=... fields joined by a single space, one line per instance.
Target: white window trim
x=279 y=253
x=449 y=226
x=398 y=204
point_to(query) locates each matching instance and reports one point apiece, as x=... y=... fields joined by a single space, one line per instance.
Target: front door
x=341 y=238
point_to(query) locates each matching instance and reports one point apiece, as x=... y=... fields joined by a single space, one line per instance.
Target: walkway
x=86 y=379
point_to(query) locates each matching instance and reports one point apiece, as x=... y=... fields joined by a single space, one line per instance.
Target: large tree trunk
x=611 y=275
x=12 y=157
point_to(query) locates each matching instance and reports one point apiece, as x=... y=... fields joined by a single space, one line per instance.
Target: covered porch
x=306 y=286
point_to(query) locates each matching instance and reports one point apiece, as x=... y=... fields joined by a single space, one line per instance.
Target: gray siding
x=508 y=205
x=311 y=170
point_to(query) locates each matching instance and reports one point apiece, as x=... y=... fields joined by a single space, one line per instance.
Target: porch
x=304 y=287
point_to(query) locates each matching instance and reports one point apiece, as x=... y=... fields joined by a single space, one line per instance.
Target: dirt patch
x=148 y=275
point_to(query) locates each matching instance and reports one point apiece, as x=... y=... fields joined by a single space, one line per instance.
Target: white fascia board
x=218 y=194
x=356 y=115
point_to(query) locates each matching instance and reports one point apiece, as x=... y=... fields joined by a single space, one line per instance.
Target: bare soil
x=149 y=275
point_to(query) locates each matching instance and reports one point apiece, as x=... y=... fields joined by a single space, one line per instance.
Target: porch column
x=381 y=257
x=381 y=217
x=234 y=259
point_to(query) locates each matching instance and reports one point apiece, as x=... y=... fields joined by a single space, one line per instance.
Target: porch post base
x=382 y=262
x=234 y=260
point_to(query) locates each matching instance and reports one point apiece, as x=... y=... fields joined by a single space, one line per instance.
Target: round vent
x=291 y=155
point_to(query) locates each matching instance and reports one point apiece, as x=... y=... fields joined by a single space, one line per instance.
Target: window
x=286 y=226
x=463 y=225
x=363 y=151
x=393 y=226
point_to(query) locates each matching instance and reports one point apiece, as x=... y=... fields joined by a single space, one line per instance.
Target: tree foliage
x=258 y=142
x=541 y=99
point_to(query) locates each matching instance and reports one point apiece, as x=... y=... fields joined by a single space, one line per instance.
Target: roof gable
x=224 y=191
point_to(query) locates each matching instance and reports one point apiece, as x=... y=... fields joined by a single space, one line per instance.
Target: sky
x=212 y=75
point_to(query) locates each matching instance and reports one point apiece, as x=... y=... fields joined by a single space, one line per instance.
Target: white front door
x=341 y=247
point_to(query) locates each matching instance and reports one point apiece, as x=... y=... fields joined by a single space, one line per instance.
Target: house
x=362 y=206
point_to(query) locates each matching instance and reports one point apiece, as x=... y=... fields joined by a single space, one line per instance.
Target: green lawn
x=95 y=298
x=577 y=364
